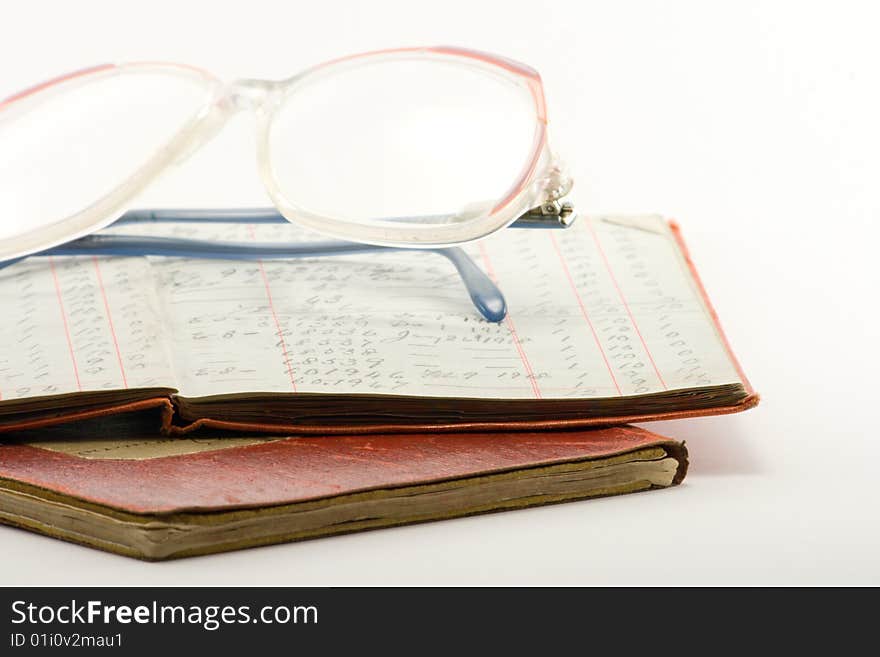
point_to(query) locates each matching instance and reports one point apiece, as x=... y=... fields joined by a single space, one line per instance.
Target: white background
x=754 y=124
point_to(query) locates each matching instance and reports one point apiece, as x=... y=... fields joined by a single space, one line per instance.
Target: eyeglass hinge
x=551 y=214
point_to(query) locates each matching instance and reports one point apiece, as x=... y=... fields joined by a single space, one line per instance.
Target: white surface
x=754 y=124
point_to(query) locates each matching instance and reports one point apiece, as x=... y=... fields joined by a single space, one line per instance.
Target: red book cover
x=156 y=498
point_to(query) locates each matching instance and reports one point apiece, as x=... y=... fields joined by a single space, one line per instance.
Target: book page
x=607 y=308
x=80 y=324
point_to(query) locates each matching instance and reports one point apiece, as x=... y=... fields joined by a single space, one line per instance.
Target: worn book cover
x=116 y=485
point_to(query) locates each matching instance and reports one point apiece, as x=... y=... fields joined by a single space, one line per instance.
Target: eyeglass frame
x=533 y=200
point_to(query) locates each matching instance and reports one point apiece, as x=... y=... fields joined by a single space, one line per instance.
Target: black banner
x=161 y=621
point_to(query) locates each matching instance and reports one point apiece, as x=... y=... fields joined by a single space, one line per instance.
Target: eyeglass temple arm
x=486 y=296
x=552 y=214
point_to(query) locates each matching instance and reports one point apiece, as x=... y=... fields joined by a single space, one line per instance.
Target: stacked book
x=162 y=407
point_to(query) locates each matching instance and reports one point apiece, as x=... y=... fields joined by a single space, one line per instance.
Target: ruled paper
x=606 y=308
x=80 y=324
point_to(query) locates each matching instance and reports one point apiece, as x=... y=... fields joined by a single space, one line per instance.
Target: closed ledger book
x=607 y=324
x=159 y=498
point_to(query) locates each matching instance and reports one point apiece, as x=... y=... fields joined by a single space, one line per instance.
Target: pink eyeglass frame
x=541 y=180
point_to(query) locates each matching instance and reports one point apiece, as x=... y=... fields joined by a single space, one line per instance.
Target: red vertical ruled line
x=284 y=352
x=584 y=312
x=110 y=320
x=632 y=319
x=510 y=327
x=64 y=321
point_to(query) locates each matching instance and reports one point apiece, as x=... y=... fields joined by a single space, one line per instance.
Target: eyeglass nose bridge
x=237 y=96
x=253 y=95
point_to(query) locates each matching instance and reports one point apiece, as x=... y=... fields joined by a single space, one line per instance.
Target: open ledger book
x=607 y=323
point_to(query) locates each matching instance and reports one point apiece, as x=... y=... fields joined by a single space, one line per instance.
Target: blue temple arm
x=553 y=215
x=486 y=296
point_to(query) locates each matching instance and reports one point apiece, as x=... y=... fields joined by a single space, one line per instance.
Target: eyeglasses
x=426 y=148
